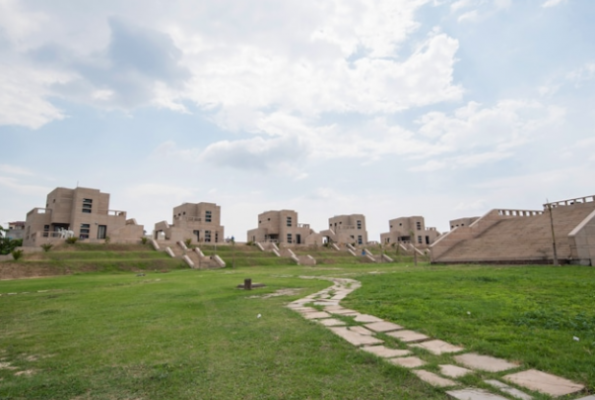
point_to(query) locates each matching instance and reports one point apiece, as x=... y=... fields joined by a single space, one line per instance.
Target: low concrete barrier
x=188 y=261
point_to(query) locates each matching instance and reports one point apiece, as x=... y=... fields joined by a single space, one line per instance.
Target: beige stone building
x=347 y=229
x=524 y=236
x=16 y=230
x=200 y=222
x=455 y=223
x=281 y=227
x=409 y=230
x=84 y=213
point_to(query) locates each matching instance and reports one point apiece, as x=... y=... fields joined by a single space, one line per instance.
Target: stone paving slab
x=438 y=347
x=385 y=352
x=452 y=371
x=326 y=303
x=334 y=308
x=361 y=330
x=355 y=338
x=331 y=322
x=508 y=389
x=346 y=312
x=545 y=383
x=367 y=318
x=408 y=336
x=484 y=363
x=474 y=394
x=316 y=315
x=304 y=310
x=383 y=326
x=433 y=379
x=407 y=362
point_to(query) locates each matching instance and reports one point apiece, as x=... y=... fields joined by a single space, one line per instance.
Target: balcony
x=116 y=213
x=39 y=211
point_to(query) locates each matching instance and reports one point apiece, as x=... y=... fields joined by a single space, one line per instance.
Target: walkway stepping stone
x=385 y=352
x=452 y=371
x=433 y=379
x=316 y=315
x=331 y=322
x=408 y=362
x=355 y=338
x=304 y=310
x=544 y=383
x=474 y=394
x=484 y=363
x=508 y=389
x=408 y=336
x=438 y=347
x=333 y=308
x=346 y=312
x=367 y=318
x=587 y=398
x=383 y=326
x=361 y=330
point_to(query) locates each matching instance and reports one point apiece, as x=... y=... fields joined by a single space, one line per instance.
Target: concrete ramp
x=521 y=237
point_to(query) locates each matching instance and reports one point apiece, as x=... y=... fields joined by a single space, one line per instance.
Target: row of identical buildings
x=562 y=230
x=85 y=214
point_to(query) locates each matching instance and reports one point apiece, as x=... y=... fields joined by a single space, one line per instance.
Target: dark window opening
x=84 y=232
x=101 y=231
x=208 y=216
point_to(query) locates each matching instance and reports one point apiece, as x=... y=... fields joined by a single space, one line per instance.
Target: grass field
x=190 y=334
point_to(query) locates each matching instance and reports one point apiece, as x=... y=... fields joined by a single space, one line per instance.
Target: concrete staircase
x=511 y=236
x=194 y=258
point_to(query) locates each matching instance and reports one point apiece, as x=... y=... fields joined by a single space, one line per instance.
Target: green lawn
x=190 y=334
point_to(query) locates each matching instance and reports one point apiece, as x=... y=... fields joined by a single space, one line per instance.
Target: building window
x=87 y=206
x=419 y=239
x=208 y=236
x=418 y=224
x=359 y=224
x=208 y=216
x=216 y=237
x=289 y=238
x=427 y=240
x=101 y=231
x=84 y=233
x=359 y=239
x=288 y=221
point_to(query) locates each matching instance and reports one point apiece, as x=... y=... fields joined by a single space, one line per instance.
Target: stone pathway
x=364 y=337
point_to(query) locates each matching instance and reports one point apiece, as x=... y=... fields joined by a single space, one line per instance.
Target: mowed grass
x=181 y=335
x=542 y=317
x=191 y=334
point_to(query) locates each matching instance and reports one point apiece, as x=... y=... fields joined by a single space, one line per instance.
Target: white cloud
x=503 y=3
x=470 y=16
x=582 y=74
x=553 y=3
x=16 y=186
x=14 y=170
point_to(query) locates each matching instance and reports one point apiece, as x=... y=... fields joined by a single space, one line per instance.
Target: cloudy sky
x=389 y=108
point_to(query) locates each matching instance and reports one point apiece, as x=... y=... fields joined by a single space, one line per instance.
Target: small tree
x=17 y=254
x=144 y=240
x=46 y=247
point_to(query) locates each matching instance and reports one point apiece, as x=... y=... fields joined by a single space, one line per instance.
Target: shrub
x=188 y=242
x=17 y=254
x=71 y=240
x=250 y=243
x=144 y=240
x=107 y=240
x=46 y=247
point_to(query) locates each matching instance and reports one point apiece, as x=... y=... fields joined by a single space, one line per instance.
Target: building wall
x=455 y=223
x=349 y=228
x=410 y=230
x=281 y=227
x=199 y=222
x=84 y=211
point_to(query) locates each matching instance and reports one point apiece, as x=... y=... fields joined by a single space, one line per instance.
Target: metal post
x=549 y=207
